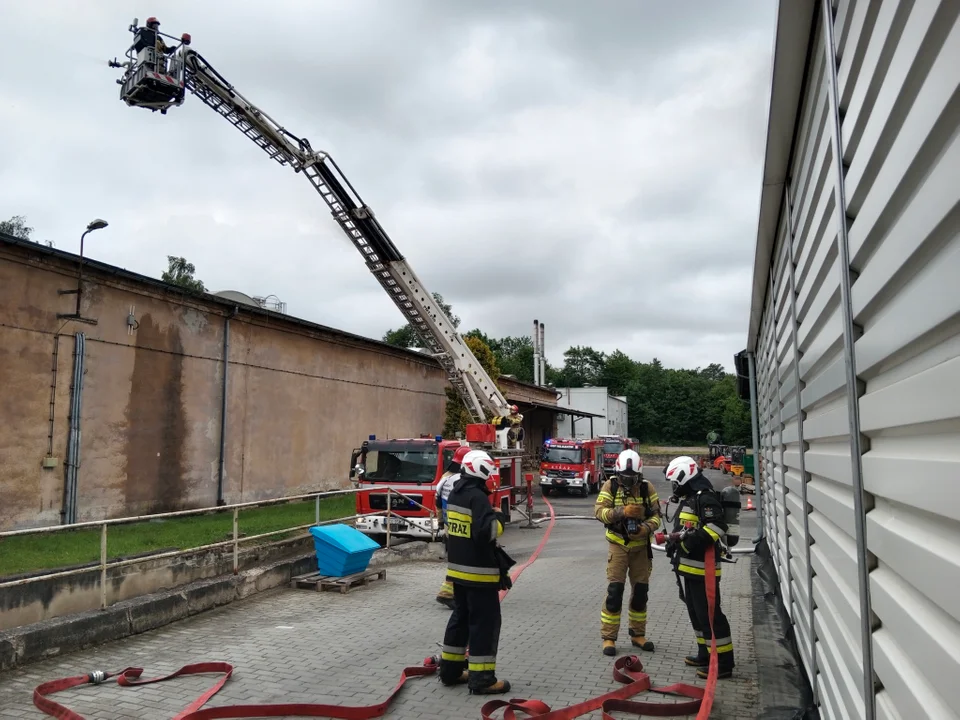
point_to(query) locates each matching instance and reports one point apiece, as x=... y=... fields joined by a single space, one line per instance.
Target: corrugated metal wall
x=897 y=83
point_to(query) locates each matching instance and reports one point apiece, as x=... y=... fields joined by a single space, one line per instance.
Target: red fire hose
x=627 y=670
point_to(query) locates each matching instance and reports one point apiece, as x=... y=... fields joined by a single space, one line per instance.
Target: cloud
x=596 y=167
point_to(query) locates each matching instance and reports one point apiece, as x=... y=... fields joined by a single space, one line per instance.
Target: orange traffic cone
x=749 y=502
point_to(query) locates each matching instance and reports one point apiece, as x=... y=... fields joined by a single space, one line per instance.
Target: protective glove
x=633 y=511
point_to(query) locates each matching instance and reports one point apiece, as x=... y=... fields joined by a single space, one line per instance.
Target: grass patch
x=26 y=553
x=671 y=450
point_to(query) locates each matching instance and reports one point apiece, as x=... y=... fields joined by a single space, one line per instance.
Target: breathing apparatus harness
x=631 y=526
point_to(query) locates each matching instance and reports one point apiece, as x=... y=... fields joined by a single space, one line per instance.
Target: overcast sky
x=593 y=165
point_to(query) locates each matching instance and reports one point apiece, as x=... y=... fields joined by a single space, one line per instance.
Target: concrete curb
x=39 y=641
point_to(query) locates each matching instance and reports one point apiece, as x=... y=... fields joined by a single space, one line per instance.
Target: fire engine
x=412 y=468
x=571 y=464
x=157 y=77
x=613 y=445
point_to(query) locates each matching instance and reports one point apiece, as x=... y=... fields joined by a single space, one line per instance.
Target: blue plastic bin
x=341 y=550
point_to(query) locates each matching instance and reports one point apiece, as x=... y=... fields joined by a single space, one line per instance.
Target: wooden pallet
x=318 y=582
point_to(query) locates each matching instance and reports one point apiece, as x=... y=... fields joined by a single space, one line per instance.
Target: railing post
x=103 y=566
x=236 y=540
x=529 y=479
x=317 y=510
x=389 y=510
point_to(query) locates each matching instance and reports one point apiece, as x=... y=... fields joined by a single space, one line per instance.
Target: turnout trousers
x=622 y=562
x=446 y=587
x=474 y=624
x=695 y=591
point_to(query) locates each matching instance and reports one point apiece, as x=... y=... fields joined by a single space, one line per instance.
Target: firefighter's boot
x=639 y=641
x=464 y=677
x=722 y=674
x=498 y=688
x=609 y=648
x=697 y=661
x=445 y=596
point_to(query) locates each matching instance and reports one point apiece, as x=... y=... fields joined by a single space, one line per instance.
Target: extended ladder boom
x=188 y=69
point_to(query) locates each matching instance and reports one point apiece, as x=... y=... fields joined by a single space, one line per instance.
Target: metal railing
x=105 y=564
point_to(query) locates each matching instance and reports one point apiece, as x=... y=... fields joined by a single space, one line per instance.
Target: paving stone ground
x=303 y=646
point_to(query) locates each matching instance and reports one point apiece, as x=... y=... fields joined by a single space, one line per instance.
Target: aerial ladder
x=157 y=76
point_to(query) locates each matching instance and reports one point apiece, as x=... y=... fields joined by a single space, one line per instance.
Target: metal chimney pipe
x=536 y=352
x=543 y=357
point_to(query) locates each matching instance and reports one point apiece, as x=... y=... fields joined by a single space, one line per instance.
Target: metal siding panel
x=888 y=25
x=831 y=558
x=853 y=32
x=921 y=644
x=844 y=684
x=917 y=47
x=923 y=550
x=903 y=183
x=886 y=710
x=926 y=224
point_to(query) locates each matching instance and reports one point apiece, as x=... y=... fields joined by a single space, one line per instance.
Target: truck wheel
x=505 y=508
x=544 y=491
x=584 y=490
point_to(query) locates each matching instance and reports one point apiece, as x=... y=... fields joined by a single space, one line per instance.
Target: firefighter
x=162 y=48
x=513 y=421
x=444 y=487
x=477 y=567
x=629 y=508
x=703 y=509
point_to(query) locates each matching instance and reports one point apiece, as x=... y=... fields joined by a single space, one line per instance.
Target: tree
x=618 y=372
x=17 y=227
x=457 y=415
x=180 y=272
x=514 y=355
x=582 y=366
x=406 y=336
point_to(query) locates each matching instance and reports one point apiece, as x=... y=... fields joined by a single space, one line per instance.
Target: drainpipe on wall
x=68 y=513
x=755 y=428
x=223 y=405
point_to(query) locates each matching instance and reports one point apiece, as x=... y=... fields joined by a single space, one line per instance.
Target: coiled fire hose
x=627 y=670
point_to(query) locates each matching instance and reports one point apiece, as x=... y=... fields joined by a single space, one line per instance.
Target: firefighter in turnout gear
x=444 y=488
x=629 y=508
x=702 y=511
x=478 y=568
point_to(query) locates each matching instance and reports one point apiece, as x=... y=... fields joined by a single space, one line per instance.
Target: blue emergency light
x=439 y=438
x=372 y=437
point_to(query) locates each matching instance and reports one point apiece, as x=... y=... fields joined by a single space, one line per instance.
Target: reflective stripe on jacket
x=607 y=504
x=472 y=531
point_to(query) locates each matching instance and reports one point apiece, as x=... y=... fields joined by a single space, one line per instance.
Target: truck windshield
x=402 y=462
x=562 y=455
x=612 y=446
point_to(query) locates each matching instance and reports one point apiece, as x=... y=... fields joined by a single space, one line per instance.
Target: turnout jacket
x=473 y=526
x=702 y=506
x=609 y=509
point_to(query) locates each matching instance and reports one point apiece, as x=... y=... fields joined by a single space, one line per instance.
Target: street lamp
x=96 y=224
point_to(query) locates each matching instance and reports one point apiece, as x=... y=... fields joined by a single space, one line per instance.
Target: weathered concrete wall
x=300 y=397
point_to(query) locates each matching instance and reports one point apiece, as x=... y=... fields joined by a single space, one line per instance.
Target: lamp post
x=97 y=224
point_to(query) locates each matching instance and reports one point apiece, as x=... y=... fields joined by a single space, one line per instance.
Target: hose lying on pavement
x=627 y=670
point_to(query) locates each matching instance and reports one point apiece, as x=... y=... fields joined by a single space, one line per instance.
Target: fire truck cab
x=412 y=468
x=613 y=445
x=571 y=465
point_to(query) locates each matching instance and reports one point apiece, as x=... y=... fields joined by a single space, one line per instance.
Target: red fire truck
x=571 y=464
x=613 y=445
x=413 y=468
